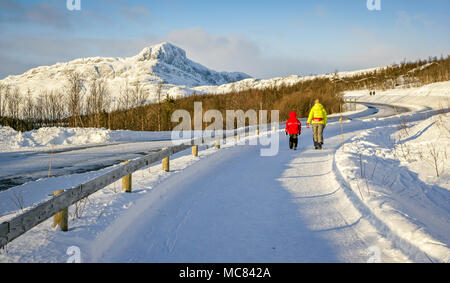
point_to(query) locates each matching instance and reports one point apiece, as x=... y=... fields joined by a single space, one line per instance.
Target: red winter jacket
x=293 y=125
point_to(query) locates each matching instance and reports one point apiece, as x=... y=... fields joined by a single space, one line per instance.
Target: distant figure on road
x=293 y=129
x=318 y=118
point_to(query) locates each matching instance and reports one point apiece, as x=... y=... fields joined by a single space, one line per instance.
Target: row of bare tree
x=73 y=105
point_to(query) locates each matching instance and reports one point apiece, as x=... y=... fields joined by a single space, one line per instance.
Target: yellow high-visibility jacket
x=318 y=115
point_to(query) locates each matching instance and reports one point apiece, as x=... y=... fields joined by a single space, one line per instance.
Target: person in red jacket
x=293 y=129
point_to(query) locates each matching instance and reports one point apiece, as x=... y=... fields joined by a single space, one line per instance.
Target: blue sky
x=260 y=37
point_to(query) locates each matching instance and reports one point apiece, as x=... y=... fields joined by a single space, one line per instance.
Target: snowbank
x=44 y=138
x=46 y=244
x=390 y=170
x=424 y=148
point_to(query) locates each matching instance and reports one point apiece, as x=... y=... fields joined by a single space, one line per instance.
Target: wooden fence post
x=195 y=150
x=61 y=218
x=127 y=181
x=165 y=164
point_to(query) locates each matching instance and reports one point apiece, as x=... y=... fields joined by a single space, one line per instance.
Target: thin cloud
x=49 y=15
x=239 y=53
x=406 y=19
x=139 y=13
x=45 y=14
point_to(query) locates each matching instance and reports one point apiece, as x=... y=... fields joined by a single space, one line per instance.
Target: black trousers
x=293 y=141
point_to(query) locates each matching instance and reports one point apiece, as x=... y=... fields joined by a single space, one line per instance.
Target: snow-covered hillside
x=252 y=83
x=163 y=63
x=435 y=96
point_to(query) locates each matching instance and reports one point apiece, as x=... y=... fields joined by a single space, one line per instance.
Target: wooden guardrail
x=24 y=222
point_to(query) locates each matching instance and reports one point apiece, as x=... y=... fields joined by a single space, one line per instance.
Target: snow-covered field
x=391 y=170
x=432 y=96
x=377 y=198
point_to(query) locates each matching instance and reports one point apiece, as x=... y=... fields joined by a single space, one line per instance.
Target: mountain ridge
x=162 y=63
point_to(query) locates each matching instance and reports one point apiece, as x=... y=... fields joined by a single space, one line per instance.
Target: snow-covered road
x=237 y=206
x=232 y=205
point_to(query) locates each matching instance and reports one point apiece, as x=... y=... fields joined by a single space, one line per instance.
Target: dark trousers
x=293 y=141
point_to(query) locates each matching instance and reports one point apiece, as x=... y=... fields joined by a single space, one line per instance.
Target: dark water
x=17 y=180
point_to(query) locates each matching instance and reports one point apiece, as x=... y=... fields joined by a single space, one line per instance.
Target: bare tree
x=435 y=158
x=55 y=107
x=125 y=100
x=74 y=98
x=97 y=101
x=5 y=99
x=158 y=95
x=44 y=106
x=139 y=96
x=14 y=103
x=91 y=102
x=39 y=107
x=29 y=107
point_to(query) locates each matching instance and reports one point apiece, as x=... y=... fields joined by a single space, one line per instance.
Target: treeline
x=157 y=116
x=403 y=75
x=73 y=106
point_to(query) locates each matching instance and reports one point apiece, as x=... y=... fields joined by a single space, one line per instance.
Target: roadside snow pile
x=10 y=139
x=391 y=171
x=69 y=136
x=45 y=137
x=423 y=148
x=64 y=137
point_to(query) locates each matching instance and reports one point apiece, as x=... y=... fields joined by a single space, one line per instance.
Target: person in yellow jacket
x=318 y=119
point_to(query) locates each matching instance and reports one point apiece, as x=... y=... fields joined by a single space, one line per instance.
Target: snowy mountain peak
x=170 y=63
x=165 y=52
x=161 y=63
